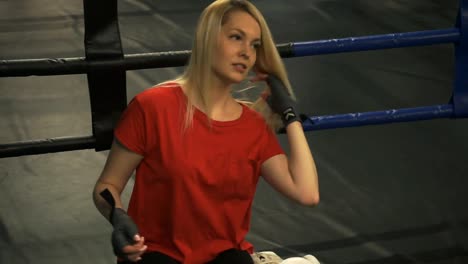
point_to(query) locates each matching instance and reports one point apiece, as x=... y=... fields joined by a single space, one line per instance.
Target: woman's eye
x=236 y=37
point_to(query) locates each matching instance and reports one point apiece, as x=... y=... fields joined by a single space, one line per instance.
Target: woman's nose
x=245 y=51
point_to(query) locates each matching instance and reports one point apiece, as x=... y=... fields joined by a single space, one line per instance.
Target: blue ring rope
x=378 y=117
x=375 y=42
x=61 y=66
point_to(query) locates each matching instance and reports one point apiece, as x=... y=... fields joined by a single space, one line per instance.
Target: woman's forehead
x=243 y=21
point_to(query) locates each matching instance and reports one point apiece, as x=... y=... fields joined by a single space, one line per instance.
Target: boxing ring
x=105 y=59
x=105 y=66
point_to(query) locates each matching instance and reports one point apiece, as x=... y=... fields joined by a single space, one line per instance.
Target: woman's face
x=236 y=52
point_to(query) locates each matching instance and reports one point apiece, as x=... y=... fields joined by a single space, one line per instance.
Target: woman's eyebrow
x=242 y=32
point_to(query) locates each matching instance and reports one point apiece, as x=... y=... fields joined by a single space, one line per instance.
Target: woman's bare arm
x=118 y=169
x=295 y=177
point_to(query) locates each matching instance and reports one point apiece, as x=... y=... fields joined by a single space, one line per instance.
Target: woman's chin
x=238 y=79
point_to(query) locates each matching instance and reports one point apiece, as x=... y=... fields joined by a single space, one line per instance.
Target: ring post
x=107 y=86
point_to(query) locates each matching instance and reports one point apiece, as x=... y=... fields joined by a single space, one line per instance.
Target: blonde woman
x=198 y=153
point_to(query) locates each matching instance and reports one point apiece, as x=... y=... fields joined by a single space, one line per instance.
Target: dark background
x=392 y=193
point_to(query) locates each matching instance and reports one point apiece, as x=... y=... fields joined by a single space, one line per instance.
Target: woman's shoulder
x=159 y=93
x=253 y=115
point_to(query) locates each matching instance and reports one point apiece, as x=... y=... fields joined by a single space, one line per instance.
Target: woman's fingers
x=259 y=76
x=134 y=252
x=265 y=94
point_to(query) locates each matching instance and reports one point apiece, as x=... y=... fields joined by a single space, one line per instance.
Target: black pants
x=231 y=256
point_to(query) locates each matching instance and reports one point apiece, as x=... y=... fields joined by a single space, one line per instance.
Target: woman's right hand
x=126 y=241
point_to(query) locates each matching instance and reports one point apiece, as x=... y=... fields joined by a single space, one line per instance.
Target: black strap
x=107 y=195
x=107 y=84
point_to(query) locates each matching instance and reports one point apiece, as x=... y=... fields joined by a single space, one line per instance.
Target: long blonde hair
x=198 y=76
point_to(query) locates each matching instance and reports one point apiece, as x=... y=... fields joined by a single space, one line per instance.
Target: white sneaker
x=266 y=257
x=307 y=259
x=312 y=259
x=270 y=257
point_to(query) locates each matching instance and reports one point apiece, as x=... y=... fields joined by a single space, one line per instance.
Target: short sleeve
x=131 y=128
x=271 y=146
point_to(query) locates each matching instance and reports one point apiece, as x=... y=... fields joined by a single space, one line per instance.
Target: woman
x=198 y=152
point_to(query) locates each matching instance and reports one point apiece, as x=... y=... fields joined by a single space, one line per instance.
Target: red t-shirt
x=193 y=191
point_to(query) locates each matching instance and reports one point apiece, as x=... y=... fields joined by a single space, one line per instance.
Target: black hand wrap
x=124 y=227
x=280 y=101
x=124 y=231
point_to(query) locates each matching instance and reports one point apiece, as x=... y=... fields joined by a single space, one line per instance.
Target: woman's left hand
x=259 y=76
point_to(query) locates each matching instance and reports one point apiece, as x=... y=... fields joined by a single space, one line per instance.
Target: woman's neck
x=223 y=106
